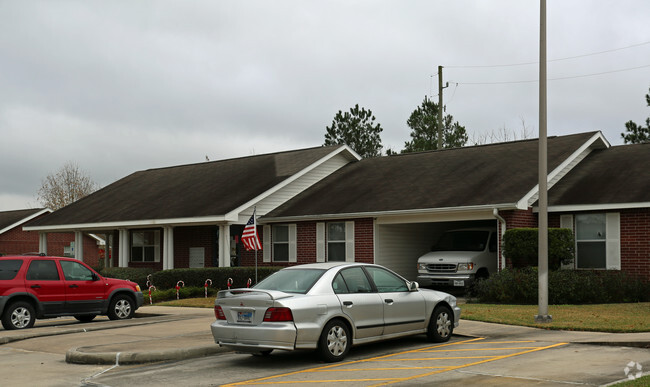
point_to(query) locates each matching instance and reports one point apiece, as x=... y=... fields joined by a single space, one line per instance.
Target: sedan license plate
x=459 y=283
x=246 y=317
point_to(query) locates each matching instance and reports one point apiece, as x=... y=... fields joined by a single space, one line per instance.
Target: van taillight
x=218 y=313
x=278 y=314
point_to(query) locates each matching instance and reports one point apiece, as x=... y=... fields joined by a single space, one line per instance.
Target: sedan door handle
x=388 y=300
x=347 y=303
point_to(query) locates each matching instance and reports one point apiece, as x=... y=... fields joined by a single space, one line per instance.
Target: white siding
x=299 y=185
x=400 y=245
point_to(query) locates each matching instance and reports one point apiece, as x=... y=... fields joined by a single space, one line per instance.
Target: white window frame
x=322 y=241
x=612 y=240
x=155 y=245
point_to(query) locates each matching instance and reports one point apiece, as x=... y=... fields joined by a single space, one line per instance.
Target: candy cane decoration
x=248 y=284
x=178 y=287
x=208 y=282
x=151 y=287
x=149 y=282
x=229 y=283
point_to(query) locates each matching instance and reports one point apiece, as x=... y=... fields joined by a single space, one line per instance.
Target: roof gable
x=12 y=219
x=613 y=177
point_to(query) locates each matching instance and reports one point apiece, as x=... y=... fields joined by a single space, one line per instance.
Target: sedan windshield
x=468 y=240
x=291 y=281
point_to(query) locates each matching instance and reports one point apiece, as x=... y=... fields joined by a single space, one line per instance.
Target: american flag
x=249 y=237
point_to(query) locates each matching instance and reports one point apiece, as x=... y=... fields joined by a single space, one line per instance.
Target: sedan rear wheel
x=441 y=325
x=334 y=343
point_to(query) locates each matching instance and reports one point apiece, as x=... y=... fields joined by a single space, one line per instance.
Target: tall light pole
x=542 y=315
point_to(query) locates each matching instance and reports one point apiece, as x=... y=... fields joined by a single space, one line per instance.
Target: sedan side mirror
x=413 y=286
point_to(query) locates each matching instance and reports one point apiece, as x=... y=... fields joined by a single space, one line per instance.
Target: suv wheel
x=19 y=315
x=121 y=307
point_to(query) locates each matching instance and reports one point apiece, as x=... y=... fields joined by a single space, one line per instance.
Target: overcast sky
x=122 y=86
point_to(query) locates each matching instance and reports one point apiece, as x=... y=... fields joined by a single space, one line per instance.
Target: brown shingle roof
x=8 y=218
x=186 y=191
x=470 y=176
x=619 y=174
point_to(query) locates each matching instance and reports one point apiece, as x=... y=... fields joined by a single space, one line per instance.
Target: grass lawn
x=600 y=317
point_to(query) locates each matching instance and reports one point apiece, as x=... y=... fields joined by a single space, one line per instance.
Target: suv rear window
x=9 y=268
x=44 y=270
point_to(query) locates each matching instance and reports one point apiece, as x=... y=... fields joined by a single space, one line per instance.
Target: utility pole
x=542 y=315
x=440 y=87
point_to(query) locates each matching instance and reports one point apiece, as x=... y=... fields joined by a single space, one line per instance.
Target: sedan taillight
x=218 y=313
x=278 y=314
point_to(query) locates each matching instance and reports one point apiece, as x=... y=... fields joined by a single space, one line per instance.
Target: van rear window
x=9 y=268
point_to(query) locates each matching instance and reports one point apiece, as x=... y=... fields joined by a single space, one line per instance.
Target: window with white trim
x=598 y=241
x=145 y=246
x=280 y=235
x=336 y=241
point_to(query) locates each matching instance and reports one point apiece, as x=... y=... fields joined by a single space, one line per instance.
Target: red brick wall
x=17 y=241
x=635 y=242
x=519 y=218
x=186 y=237
x=306 y=244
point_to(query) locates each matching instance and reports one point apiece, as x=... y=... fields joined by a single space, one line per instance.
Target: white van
x=459 y=257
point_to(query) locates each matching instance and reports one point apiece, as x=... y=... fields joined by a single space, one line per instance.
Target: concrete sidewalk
x=161 y=333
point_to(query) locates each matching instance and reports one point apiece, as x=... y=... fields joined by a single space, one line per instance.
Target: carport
x=401 y=240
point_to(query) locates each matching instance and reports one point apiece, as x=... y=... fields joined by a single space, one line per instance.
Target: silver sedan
x=330 y=307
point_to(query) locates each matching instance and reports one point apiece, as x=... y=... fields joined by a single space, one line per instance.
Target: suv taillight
x=218 y=313
x=278 y=314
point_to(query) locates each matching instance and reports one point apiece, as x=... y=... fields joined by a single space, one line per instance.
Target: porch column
x=224 y=245
x=168 y=248
x=42 y=243
x=124 y=247
x=79 y=245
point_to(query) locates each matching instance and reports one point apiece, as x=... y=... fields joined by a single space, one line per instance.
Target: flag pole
x=255 y=222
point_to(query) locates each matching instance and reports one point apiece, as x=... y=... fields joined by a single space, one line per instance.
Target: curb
x=78 y=356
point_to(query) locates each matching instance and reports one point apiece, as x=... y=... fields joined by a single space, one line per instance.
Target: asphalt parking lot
x=174 y=346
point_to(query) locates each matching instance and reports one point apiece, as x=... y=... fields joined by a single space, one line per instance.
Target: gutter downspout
x=495 y=212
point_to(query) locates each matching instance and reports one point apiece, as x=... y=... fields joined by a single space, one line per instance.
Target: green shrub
x=183 y=292
x=167 y=279
x=521 y=246
x=520 y=286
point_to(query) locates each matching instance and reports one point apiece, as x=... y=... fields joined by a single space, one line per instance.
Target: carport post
x=542 y=315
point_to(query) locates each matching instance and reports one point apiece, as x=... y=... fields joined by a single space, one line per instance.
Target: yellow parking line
x=438 y=358
x=504 y=342
x=381 y=369
x=476 y=349
x=468 y=365
x=261 y=380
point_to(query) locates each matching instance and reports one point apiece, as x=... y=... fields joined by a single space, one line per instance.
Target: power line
x=552 y=79
x=552 y=60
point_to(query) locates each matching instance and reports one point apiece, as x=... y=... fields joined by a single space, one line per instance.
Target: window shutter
x=266 y=244
x=613 y=241
x=566 y=221
x=349 y=241
x=320 y=242
x=293 y=251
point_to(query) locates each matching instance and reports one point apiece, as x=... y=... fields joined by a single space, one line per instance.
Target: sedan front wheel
x=334 y=343
x=441 y=325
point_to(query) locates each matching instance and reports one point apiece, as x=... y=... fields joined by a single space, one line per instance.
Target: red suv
x=37 y=286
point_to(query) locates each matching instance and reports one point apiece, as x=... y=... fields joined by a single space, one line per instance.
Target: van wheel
x=441 y=325
x=19 y=315
x=121 y=307
x=335 y=340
